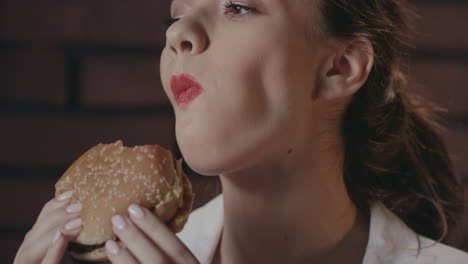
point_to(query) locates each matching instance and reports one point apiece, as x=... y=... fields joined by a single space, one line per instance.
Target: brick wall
x=76 y=73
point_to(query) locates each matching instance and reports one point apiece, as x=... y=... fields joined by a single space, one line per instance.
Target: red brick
x=53 y=21
x=443 y=25
x=445 y=83
x=33 y=20
x=122 y=81
x=140 y=23
x=26 y=210
x=117 y=21
x=51 y=140
x=34 y=75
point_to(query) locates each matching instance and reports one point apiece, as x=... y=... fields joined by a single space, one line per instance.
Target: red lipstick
x=185 y=88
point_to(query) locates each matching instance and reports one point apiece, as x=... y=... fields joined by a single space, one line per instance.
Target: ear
x=346 y=70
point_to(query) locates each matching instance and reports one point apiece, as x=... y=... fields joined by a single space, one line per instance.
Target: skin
x=52 y=219
x=267 y=123
x=144 y=238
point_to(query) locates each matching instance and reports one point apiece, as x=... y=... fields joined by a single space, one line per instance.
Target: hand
x=145 y=239
x=56 y=224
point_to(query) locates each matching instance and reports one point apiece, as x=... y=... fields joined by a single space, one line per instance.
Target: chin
x=210 y=162
x=202 y=164
x=207 y=153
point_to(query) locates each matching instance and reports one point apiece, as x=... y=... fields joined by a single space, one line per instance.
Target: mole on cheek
x=290 y=150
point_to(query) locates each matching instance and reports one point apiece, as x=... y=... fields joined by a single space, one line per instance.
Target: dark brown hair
x=394 y=151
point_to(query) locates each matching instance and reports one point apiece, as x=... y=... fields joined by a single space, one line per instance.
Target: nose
x=186 y=36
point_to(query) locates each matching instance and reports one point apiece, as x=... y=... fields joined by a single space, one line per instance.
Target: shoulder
x=392 y=241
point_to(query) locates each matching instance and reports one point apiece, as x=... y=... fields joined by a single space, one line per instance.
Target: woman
x=304 y=113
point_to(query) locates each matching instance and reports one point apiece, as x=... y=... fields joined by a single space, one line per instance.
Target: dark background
x=79 y=72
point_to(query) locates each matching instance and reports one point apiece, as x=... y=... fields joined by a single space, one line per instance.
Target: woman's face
x=257 y=69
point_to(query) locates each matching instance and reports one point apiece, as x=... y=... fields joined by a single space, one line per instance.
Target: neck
x=291 y=210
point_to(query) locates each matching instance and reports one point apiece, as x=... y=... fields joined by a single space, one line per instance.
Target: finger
x=160 y=234
x=138 y=244
x=44 y=229
x=55 y=203
x=59 y=244
x=35 y=248
x=119 y=254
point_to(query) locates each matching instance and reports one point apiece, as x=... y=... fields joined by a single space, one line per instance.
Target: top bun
x=109 y=177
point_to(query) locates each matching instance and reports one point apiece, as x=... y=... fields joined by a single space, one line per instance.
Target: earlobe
x=345 y=71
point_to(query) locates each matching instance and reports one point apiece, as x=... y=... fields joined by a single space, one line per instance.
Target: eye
x=169 y=21
x=229 y=7
x=237 y=9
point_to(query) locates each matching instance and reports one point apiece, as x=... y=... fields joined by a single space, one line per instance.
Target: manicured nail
x=73 y=208
x=56 y=236
x=119 y=222
x=64 y=196
x=136 y=211
x=112 y=247
x=73 y=224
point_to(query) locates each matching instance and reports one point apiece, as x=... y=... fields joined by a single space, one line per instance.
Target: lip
x=185 y=88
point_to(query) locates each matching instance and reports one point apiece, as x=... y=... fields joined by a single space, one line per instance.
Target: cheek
x=243 y=116
x=164 y=73
x=224 y=122
x=240 y=119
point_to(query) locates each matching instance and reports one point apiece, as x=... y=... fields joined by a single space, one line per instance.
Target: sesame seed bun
x=107 y=178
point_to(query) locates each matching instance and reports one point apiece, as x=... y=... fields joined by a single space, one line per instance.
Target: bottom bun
x=97 y=255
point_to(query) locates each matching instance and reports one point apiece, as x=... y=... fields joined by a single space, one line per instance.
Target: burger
x=108 y=178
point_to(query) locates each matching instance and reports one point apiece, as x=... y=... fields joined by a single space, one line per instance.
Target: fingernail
x=73 y=208
x=56 y=236
x=119 y=222
x=64 y=196
x=73 y=224
x=136 y=211
x=112 y=247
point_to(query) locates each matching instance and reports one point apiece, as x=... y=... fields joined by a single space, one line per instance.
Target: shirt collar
x=390 y=239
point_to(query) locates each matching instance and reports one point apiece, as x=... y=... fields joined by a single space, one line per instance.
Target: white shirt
x=391 y=241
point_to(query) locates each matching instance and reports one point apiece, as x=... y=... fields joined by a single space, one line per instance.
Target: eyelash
x=230 y=5
x=226 y=5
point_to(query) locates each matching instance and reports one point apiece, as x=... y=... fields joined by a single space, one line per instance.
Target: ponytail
x=394 y=150
x=395 y=154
